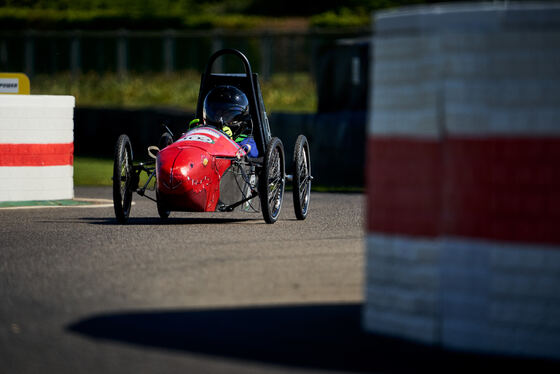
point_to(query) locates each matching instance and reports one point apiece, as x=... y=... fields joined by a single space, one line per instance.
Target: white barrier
x=36 y=147
x=463 y=176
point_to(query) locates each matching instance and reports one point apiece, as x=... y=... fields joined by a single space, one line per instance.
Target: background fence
x=122 y=51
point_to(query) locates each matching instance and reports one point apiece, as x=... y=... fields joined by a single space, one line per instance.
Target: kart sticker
x=199 y=138
x=207 y=131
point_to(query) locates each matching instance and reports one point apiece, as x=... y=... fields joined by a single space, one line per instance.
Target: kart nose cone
x=186 y=178
x=164 y=168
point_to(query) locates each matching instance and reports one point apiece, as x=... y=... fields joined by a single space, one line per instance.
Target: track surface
x=202 y=293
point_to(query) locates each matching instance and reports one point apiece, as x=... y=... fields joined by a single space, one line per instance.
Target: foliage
x=53 y=19
x=112 y=19
x=230 y=21
x=287 y=93
x=343 y=18
x=290 y=93
x=131 y=6
x=184 y=14
x=131 y=91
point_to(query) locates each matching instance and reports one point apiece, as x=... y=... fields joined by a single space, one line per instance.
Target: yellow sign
x=14 y=83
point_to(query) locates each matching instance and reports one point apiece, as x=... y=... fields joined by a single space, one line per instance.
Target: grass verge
x=282 y=92
x=90 y=171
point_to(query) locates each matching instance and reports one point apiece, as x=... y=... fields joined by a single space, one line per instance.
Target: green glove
x=240 y=138
x=194 y=122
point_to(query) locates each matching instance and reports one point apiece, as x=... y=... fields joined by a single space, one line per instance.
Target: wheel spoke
x=302 y=177
x=274 y=184
x=124 y=177
x=273 y=181
x=275 y=166
x=304 y=181
x=304 y=196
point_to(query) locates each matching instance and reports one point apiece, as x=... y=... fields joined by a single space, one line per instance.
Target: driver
x=227 y=108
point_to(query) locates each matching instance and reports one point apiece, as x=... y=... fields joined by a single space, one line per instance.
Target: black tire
x=271 y=181
x=302 y=177
x=165 y=140
x=162 y=209
x=124 y=179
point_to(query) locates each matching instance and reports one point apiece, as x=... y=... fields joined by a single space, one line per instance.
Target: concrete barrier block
x=404 y=249
x=522 y=341
x=404 y=299
x=36 y=147
x=517 y=312
x=465 y=333
x=463 y=174
x=525 y=259
x=517 y=285
x=411 y=326
x=389 y=272
x=37 y=183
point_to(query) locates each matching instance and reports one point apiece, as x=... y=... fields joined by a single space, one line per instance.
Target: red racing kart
x=204 y=170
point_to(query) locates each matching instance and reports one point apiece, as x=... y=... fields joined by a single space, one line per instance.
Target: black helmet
x=226 y=106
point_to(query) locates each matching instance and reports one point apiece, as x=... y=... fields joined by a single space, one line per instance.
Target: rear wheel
x=123 y=179
x=271 y=181
x=302 y=177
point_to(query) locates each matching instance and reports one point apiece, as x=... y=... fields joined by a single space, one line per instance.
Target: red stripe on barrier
x=403 y=184
x=504 y=189
x=36 y=154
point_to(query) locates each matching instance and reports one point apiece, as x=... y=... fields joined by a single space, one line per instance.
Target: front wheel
x=302 y=177
x=123 y=179
x=165 y=140
x=271 y=181
x=162 y=209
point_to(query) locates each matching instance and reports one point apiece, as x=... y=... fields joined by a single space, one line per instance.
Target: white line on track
x=95 y=203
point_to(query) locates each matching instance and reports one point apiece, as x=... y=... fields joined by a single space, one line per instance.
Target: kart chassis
x=268 y=169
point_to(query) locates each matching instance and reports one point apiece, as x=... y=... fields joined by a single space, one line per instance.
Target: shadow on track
x=149 y=221
x=309 y=336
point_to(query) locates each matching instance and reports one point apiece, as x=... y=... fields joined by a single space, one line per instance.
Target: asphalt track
x=200 y=293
